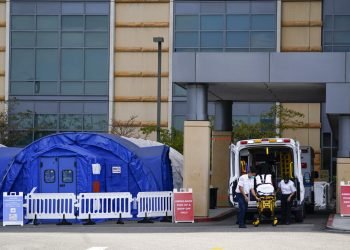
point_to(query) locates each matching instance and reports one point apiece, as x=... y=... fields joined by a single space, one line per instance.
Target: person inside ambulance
x=288 y=190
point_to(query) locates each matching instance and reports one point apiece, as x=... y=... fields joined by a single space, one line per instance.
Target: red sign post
x=183 y=206
x=344 y=199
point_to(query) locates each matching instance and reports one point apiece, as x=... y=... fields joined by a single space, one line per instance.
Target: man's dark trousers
x=243 y=206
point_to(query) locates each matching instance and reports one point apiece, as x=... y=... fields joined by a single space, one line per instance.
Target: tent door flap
x=58 y=175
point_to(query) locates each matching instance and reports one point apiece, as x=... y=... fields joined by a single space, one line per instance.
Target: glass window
x=47 y=39
x=22 y=7
x=178 y=122
x=328 y=23
x=262 y=39
x=45 y=88
x=23 y=39
x=237 y=39
x=97 y=22
x=96 y=64
x=96 y=88
x=263 y=22
x=327 y=38
x=72 y=8
x=47 y=22
x=67 y=176
x=179 y=91
x=72 y=22
x=238 y=7
x=71 y=122
x=212 y=39
x=97 y=8
x=72 y=88
x=49 y=176
x=212 y=7
x=72 y=39
x=46 y=64
x=341 y=37
x=23 y=64
x=342 y=22
x=263 y=7
x=187 y=22
x=186 y=39
x=21 y=88
x=212 y=22
x=238 y=22
x=95 y=122
x=72 y=64
x=96 y=39
x=187 y=8
x=23 y=22
x=48 y=8
x=46 y=121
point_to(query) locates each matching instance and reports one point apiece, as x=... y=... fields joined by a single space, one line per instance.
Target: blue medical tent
x=62 y=163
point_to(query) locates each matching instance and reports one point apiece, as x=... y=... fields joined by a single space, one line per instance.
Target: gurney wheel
x=274 y=222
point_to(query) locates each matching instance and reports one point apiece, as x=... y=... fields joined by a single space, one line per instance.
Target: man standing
x=244 y=186
x=288 y=191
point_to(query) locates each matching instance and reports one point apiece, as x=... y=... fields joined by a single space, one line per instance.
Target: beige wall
x=196 y=163
x=136 y=62
x=2 y=51
x=343 y=174
x=220 y=165
x=301 y=25
x=310 y=133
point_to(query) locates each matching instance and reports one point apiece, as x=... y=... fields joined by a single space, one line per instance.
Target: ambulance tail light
x=244 y=142
x=303 y=165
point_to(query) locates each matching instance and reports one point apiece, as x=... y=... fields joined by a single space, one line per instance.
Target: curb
x=219 y=217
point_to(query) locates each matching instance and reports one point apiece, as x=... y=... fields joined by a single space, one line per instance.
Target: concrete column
x=344 y=136
x=197 y=102
x=223 y=116
x=220 y=162
x=343 y=174
x=197 y=164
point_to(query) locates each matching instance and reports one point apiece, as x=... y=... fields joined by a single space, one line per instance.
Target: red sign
x=345 y=200
x=183 y=207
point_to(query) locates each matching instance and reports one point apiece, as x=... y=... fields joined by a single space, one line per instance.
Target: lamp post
x=159 y=40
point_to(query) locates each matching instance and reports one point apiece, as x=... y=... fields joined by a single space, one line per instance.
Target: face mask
x=251 y=177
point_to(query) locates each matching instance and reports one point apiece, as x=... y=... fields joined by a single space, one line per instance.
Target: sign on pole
x=183 y=206
x=12 y=209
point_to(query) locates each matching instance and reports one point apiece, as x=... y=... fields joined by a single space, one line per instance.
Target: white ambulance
x=278 y=156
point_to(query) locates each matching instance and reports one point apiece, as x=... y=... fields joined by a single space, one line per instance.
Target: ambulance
x=277 y=156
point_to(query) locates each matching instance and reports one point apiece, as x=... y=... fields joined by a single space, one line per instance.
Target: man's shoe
x=242 y=226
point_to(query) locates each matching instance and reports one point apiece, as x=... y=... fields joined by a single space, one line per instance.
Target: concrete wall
x=343 y=174
x=220 y=162
x=310 y=133
x=2 y=50
x=197 y=163
x=301 y=25
x=136 y=63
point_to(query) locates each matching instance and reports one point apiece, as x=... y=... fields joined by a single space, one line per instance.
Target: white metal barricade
x=321 y=189
x=104 y=205
x=50 y=205
x=153 y=204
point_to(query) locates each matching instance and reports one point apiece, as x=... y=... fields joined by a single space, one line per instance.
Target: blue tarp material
x=142 y=168
x=6 y=156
